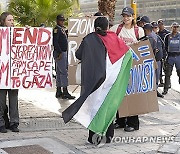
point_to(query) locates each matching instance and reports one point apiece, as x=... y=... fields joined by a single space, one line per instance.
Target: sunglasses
x=175 y=26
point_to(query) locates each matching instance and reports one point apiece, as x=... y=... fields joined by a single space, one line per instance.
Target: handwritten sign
x=141 y=96
x=29 y=59
x=142 y=73
x=4 y=57
x=78 y=28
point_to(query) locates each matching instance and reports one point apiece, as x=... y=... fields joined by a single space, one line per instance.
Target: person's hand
x=156 y=50
x=27 y=26
x=59 y=57
x=88 y=15
x=137 y=42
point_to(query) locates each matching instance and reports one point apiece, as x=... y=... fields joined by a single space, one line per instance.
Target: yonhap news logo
x=100 y=141
x=144 y=139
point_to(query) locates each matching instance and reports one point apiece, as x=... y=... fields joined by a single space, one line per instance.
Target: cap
x=42 y=25
x=160 y=21
x=174 y=24
x=60 y=17
x=154 y=24
x=148 y=26
x=128 y=11
x=138 y=18
x=145 y=19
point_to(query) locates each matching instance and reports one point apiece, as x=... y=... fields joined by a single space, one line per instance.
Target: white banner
x=30 y=58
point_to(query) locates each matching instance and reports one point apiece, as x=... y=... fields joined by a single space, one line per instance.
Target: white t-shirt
x=128 y=35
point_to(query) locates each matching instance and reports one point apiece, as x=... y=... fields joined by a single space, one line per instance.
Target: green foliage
x=0 y=8
x=35 y=12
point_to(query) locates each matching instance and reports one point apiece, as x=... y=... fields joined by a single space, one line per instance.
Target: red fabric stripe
x=115 y=46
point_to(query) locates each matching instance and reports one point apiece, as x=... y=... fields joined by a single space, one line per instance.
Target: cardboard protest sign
x=4 y=58
x=78 y=28
x=73 y=45
x=31 y=57
x=141 y=95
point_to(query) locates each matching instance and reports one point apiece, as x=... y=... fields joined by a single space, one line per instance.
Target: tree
x=35 y=12
x=107 y=7
x=0 y=8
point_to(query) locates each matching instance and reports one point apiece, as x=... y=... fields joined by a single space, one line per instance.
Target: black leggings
x=132 y=121
x=6 y=118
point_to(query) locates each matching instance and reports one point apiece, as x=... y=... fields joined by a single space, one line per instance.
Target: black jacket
x=163 y=33
x=60 y=41
x=92 y=54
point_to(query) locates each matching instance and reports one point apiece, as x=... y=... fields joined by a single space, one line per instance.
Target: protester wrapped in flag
x=105 y=69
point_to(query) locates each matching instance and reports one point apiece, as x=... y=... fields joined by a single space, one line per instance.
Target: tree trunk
x=107 y=7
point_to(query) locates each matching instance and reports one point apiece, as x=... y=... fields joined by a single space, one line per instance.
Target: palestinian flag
x=99 y=108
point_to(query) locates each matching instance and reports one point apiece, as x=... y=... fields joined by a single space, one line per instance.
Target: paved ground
x=41 y=125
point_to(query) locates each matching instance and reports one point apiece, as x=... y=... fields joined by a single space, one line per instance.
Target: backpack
x=136 y=30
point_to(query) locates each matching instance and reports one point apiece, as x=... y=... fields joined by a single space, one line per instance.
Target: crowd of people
x=166 y=49
x=168 y=43
x=165 y=45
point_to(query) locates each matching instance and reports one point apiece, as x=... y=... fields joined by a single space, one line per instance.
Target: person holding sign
x=130 y=33
x=7 y=20
x=60 y=43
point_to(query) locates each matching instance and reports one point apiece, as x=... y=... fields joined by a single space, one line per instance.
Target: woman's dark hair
x=3 y=18
x=98 y=14
x=101 y=25
x=42 y=25
x=133 y=22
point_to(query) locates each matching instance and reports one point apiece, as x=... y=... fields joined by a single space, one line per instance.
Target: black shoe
x=108 y=139
x=58 y=92
x=165 y=92
x=169 y=86
x=116 y=126
x=3 y=129
x=130 y=129
x=159 y=95
x=14 y=128
x=59 y=95
x=68 y=96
